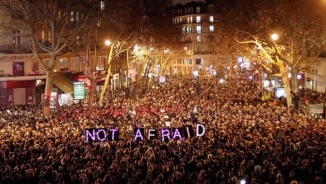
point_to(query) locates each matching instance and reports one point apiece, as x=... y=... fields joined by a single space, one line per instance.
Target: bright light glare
x=242 y=181
x=107 y=42
x=162 y=79
x=136 y=48
x=299 y=76
x=274 y=36
x=195 y=73
x=221 y=81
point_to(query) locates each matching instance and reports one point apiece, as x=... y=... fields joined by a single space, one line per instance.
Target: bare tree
x=299 y=24
x=60 y=23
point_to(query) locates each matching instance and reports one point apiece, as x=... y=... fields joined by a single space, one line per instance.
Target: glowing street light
x=107 y=42
x=274 y=36
x=136 y=48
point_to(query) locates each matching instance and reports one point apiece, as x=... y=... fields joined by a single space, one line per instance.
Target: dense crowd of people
x=247 y=139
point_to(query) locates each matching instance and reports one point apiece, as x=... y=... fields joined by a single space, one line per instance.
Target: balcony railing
x=11 y=49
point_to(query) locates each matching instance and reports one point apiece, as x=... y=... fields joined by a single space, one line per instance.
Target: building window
x=16 y=38
x=211 y=9
x=211 y=18
x=188 y=29
x=63 y=64
x=72 y=19
x=186 y=61
x=211 y=29
x=198 y=9
x=43 y=36
x=77 y=18
x=199 y=61
x=198 y=19
x=18 y=69
x=189 y=20
x=102 y=5
x=100 y=65
x=198 y=39
x=198 y=29
x=99 y=23
x=183 y=30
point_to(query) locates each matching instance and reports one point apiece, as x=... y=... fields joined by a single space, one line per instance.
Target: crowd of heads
x=260 y=142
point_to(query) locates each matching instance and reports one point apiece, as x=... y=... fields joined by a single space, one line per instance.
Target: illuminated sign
x=79 y=90
x=140 y=134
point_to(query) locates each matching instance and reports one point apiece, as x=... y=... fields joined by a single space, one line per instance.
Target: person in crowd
x=247 y=138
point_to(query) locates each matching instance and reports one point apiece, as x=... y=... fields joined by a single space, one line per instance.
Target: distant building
x=197 y=23
x=315 y=77
x=22 y=77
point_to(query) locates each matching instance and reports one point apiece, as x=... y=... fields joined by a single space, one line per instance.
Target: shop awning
x=62 y=83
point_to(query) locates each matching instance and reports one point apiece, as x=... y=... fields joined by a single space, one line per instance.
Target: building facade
x=22 y=78
x=197 y=24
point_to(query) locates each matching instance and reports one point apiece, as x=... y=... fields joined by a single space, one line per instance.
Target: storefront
x=20 y=92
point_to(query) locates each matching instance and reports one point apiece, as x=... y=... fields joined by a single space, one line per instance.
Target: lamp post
x=274 y=36
x=108 y=43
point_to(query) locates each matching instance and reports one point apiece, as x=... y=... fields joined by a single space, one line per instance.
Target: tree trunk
x=92 y=91
x=287 y=86
x=106 y=82
x=294 y=80
x=138 y=77
x=47 y=95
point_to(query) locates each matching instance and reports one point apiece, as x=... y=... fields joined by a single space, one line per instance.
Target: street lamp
x=274 y=36
x=107 y=42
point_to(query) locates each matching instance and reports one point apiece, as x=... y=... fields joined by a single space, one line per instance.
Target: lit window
x=72 y=19
x=100 y=63
x=77 y=17
x=198 y=9
x=188 y=29
x=198 y=39
x=43 y=36
x=71 y=16
x=63 y=64
x=102 y=5
x=211 y=29
x=198 y=29
x=198 y=19
x=189 y=20
x=211 y=18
